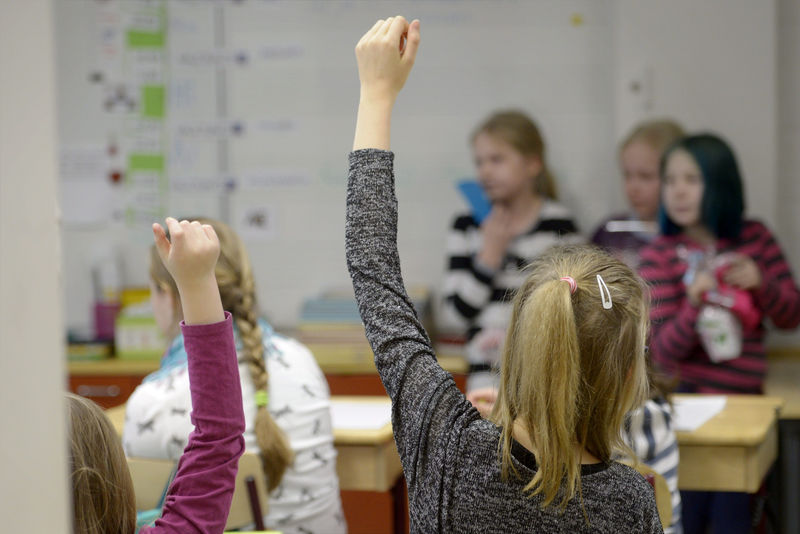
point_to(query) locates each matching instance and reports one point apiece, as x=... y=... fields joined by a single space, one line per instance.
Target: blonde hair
x=102 y=491
x=520 y=131
x=657 y=133
x=237 y=288
x=571 y=369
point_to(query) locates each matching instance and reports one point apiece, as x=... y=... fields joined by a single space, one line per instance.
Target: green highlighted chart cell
x=153 y=99
x=140 y=39
x=146 y=162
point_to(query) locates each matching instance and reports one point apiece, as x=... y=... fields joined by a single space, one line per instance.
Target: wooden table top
x=115 y=366
x=744 y=421
x=362 y=437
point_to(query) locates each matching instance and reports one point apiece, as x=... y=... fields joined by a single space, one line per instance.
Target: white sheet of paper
x=360 y=416
x=86 y=193
x=692 y=413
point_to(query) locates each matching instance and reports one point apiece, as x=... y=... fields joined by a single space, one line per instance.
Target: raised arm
x=385 y=56
x=425 y=401
x=199 y=498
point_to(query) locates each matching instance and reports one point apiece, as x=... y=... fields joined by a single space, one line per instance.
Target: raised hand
x=385 y=56
x=190 y=256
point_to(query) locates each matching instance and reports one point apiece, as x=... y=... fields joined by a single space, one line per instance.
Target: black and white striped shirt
x=477 y=298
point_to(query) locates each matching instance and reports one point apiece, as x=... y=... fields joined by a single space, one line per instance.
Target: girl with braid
x=285 y=398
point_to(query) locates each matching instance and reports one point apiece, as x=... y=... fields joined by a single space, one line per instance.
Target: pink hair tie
x=573 y=285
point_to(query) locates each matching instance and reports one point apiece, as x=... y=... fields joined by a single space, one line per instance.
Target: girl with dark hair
x=710 y=258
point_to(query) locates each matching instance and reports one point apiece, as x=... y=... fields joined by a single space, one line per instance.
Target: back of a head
x=573 y=363
x=102 y=491
x=521 y=132
x=237 y=290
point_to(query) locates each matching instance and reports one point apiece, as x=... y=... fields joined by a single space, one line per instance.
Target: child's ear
x=534 y=164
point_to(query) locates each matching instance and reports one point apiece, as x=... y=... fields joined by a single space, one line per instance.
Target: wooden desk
x=361 y=378
x=783 y=380
x=734 y=450
x=108 y=382
x=369 y=469
x=367 y=459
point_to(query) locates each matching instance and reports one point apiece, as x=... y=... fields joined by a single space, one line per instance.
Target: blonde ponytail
x=571 y=368
x=553 y=357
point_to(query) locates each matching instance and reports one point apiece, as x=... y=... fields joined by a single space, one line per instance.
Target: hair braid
x=237 y=289
x=276 y=454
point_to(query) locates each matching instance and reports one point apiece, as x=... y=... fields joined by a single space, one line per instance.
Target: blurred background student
x=486 y=258
x=715 y=278
x=624 y=234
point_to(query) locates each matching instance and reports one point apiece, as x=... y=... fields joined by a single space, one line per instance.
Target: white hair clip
x=605 y=294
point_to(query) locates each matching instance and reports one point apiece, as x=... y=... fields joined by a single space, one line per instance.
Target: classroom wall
x=692 y=62
x=788 y=18
x=33 y=492
x=571 y=64
x=789 y=126
x=457 y=81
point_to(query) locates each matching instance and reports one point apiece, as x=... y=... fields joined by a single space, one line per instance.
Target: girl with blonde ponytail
x=572 y=367
x=285 y=398
x=573 y=361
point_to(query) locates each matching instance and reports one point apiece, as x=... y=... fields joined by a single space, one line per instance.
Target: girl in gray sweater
x=573 y=362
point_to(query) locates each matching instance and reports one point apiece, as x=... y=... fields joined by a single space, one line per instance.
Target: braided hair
x=237 y=289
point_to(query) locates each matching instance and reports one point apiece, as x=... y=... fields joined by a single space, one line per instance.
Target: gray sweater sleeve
x=427 y=408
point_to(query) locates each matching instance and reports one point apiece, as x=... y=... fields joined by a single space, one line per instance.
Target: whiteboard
x=287 y=113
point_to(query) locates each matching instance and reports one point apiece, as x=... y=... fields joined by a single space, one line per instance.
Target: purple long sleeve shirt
x=199 y=498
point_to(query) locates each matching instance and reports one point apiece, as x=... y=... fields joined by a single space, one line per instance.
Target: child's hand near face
x=190 y=257
x=703 y=281
x=497 y=235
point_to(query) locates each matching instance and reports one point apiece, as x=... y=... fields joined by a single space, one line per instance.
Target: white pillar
x=34 y=487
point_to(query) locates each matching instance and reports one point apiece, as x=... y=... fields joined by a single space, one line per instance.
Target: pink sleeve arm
x=200 y=496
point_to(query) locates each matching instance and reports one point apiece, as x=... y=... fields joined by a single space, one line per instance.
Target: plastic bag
x=720 y=333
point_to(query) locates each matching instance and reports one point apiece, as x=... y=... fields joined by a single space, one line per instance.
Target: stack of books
x=330 y=326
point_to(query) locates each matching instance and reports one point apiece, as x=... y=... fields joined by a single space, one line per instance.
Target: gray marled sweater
x=449 y=453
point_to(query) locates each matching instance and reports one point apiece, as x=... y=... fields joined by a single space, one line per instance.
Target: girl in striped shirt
x=701 y=215
x=486 y=259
